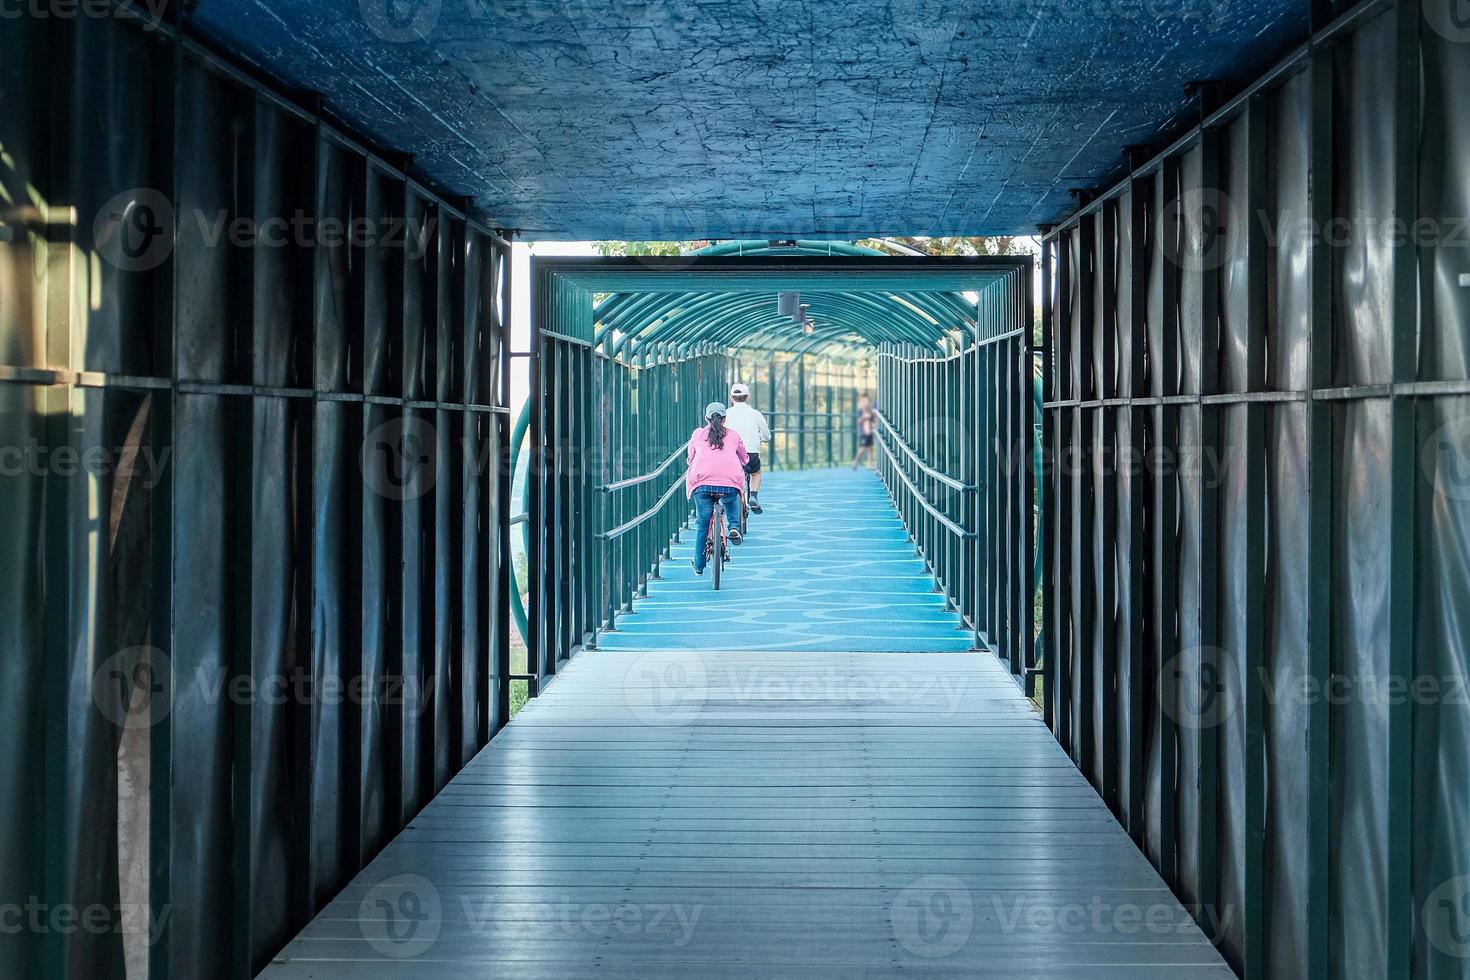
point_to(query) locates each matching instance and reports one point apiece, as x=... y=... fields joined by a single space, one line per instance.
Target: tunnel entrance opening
x=629 y=351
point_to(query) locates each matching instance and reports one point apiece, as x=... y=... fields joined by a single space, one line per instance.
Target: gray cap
x=714 y=408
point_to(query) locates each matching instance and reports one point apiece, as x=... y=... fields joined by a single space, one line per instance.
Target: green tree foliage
x=999 y=245
x=647 y=248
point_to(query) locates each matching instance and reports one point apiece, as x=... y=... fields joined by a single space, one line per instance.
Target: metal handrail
x=633 y=481
x=929 y=471
x=934 y=512
x=622 y=529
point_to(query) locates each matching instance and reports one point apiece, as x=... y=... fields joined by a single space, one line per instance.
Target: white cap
x=738 y=390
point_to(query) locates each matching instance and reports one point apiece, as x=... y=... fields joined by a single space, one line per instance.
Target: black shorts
x=866 y=439
x=754 y=466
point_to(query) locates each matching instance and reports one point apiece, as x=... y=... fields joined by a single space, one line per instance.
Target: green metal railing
x=956 y=447
x=810 y=401
x=649 y=412
x=647 y=407
x=605 y=487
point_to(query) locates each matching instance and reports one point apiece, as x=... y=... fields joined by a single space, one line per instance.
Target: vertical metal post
x=1106 y=499
x=1063 y=630
x=1083 y=511
x=1255 y=893
x=1166 y=538
x=1208 y=777
x=1320 y=492
x=1138 y=420
x=1047 y=497
x=504 y=482
x=801 y=404
x=536 y=588
x=1403 y=493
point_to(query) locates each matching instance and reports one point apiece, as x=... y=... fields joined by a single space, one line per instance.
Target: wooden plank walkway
x=673 y=814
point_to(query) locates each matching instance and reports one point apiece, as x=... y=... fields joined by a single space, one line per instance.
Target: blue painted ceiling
x=662 y=119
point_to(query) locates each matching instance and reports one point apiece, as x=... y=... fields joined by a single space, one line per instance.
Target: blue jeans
x=704 y=506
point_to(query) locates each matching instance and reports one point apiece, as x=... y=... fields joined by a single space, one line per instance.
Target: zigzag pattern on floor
x=828 y=566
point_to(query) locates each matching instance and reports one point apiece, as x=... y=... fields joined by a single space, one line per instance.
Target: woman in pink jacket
x=717 y=461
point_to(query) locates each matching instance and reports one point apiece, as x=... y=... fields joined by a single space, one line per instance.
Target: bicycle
x=745 y=509
x=717 y=539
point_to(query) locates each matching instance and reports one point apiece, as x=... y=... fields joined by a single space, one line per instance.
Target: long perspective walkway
x=674 y=814
x=736 y=812
x=828 y=566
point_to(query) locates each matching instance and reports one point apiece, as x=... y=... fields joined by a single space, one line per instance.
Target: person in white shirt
x=751 y=426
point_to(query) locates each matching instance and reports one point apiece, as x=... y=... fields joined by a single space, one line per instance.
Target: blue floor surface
x=828 y=566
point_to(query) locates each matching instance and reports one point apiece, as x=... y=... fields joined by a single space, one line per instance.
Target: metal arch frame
x=729 y=318
x=631 y=319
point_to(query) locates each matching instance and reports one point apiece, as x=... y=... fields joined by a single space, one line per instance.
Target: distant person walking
x=751 y=426
x=867 y=428
x=716 y=473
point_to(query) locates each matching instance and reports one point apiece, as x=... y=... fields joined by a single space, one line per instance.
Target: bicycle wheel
x=745 y=508
x=717 y=543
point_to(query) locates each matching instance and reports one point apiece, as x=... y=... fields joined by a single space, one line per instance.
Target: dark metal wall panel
x=1126 y=626
x=371 y=676
x=441 y=608
x=101 y=607
x=1314 y=553
x=1070 y=378
x=25 y=56
x=1289 y=295
x=1197 y=211
x=1162 y=360
x=1162 y=563
x=1288 y=574
x=1444 y=190
x=1098 y=647
x=470 y=362
x=206 y=591
x=334 y=823
x=1185 y=670
x=1442 y=718
x=114 y=172
x=447 y=262
x=1360 y=723
x=23 y=625
x=205 y=683
x=1230 y=239
x=471 y=588
x=213 y=296
x=1123 y=345
x=418 y=293
x=1363 y=205
x=416 y=650
x=1103 y=371
x=337 y=306
x=382 y=281
x=281 y=300
x=280 y=650
x=1229 y=673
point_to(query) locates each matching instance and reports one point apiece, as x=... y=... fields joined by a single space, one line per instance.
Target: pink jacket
x=711 y=467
